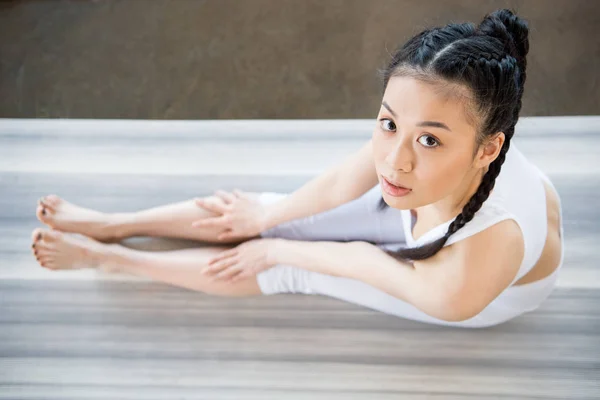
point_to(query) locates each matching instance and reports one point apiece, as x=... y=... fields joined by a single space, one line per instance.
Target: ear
x=489 y=151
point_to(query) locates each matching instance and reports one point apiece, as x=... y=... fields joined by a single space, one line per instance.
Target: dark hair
x=490 y=61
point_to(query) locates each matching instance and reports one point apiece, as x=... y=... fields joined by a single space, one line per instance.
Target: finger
x=238 y=193
x=219 y=264
x=211 y=205
x=229 y=273
x=213 y=270
x=222 y=255
x=244 y=274
x=222 y=266
x=227 y=197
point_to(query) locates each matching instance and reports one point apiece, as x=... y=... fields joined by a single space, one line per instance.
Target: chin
x=399 y=203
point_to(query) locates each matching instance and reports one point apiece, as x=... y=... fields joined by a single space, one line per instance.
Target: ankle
x=120 y=225
x=115 y=259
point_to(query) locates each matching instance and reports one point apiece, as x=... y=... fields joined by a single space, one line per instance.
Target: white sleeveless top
x=519 y=195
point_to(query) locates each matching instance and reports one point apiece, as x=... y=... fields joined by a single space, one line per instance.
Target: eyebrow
x=433 y=124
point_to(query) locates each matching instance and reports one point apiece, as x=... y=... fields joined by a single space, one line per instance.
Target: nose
x=401 y=157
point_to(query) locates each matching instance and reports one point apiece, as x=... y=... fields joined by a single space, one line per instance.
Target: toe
x=52 y=235
x=36 y=236
x=42 y=252
x=44 y=247
x=46 y=260
x=45 y=235
x=51 y=201
x=45 y=215
x=45 y=203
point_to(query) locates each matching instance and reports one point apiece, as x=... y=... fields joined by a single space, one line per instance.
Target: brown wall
x=191 y=59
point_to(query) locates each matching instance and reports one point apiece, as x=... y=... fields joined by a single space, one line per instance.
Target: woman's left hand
x=245 y=260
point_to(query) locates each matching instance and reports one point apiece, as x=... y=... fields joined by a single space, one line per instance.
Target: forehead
x=415 y=100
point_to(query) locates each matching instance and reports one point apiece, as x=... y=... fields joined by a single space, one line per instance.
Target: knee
x=286 y=279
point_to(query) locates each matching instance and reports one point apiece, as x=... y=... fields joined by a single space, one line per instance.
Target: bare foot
x=58 y=251
x=61 y=215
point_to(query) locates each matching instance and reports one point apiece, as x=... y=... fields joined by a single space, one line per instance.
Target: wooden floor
x=85 y=335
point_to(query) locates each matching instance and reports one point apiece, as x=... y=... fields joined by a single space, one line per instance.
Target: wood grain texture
x=95 y=339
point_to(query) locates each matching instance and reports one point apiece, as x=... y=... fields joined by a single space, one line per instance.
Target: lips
x=395 y=183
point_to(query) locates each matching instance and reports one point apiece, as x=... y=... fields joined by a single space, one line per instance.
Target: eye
x=430 y=141
x=387 y=124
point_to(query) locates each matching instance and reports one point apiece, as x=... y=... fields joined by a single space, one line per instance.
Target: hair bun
x=510 y=30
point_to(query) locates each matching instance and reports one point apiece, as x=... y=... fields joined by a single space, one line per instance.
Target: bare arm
x=336 y=186
x=364 y=262
x=454 y=285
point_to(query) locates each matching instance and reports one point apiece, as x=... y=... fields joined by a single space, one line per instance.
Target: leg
x=291 y=279
x=57 y=250
x=171 y=220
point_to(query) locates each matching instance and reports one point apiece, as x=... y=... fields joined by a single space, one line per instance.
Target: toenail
x=39 y=236
x=33 y=246
x=43 y=211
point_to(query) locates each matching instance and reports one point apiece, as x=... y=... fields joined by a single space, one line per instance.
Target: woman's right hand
x=240 y=215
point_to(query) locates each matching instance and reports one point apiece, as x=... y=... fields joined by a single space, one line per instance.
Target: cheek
x=437 y=178
x=379 y=150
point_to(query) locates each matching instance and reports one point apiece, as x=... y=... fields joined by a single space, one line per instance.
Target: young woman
x=438 y=218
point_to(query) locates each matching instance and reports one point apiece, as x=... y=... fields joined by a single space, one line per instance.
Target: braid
x=481 y=195
x=489 y=179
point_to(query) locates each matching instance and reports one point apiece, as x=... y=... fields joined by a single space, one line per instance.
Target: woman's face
x=423 y=142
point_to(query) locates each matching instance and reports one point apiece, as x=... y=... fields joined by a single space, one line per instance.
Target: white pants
x=359 y=220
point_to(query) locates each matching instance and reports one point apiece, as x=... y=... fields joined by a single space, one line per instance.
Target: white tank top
x=519 y=195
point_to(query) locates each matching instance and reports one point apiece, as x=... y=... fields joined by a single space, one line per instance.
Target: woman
x=434 y=219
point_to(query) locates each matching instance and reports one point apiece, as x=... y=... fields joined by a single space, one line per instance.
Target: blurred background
x=271 y=59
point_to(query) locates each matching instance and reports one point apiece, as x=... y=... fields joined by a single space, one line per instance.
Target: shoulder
x=475 y=270
x=499 y=248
